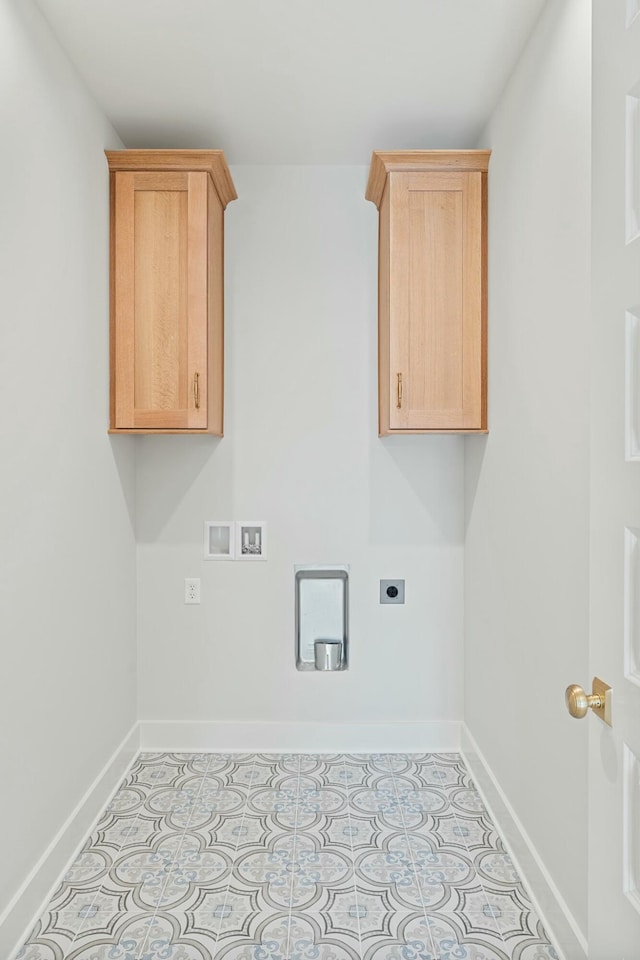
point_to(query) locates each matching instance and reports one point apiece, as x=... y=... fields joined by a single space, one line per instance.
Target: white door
x=614 y=752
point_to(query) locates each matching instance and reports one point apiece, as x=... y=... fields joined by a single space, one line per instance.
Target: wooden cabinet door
x=435 y=302
x=159 y=300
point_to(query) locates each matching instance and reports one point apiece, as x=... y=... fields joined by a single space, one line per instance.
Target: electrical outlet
x=392 y=591
x=192 y=590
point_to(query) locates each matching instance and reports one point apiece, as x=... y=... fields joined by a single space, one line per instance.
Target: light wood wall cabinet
x=167 y=321
x=432 y=306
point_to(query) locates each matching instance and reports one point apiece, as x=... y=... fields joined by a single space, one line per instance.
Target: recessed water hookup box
x=251 y=540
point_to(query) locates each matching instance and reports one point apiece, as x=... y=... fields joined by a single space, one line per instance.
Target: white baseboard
x=550 y=905
x=17 y=919
x=256 y=737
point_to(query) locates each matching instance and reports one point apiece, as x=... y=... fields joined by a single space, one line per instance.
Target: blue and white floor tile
x=292 y=857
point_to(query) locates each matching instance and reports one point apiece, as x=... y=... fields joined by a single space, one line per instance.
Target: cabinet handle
x=399 y=403
x=196 y=390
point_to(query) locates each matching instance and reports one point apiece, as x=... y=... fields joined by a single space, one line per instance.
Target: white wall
x=67 y=565
x=301 y=451
x=526 y=591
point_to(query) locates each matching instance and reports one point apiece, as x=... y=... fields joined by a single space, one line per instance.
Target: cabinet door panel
x=435 y=301
x=161 y=300
x=160 y=305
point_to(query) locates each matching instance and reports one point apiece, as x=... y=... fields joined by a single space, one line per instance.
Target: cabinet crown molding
x=384 y=162
x=181 y=161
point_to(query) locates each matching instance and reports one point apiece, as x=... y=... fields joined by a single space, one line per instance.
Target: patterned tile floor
x=292 y=857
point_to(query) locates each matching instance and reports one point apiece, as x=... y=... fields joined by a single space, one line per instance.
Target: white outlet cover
x=192 y=590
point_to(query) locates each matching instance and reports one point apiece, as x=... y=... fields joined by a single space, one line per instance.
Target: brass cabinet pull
x=196 y=390
x=579 y=703
x=399 y=403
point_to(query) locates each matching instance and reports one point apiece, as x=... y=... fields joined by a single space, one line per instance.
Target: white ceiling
x=295 y=81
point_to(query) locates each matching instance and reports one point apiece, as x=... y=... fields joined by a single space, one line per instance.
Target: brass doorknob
x=579 y=703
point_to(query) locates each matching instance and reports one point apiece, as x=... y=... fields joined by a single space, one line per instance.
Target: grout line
x=140 y=955
x=436 y=953
x=235 y=854
x=293 y=856
x=353 y=854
